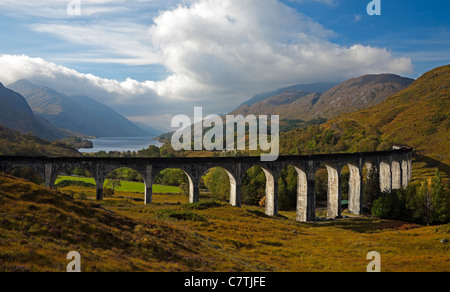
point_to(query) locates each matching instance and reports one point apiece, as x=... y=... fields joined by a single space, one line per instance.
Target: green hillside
x=418 y=116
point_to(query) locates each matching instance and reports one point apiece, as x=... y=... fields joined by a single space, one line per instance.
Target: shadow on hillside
x=263 y=215
x=367 y=225
x=432 y=163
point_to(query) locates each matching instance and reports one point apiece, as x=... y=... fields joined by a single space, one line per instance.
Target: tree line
x=427 y=202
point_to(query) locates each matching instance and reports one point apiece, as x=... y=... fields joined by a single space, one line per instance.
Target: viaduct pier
x=394 y=168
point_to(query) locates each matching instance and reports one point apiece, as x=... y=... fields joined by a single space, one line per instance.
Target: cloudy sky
x=153 y=59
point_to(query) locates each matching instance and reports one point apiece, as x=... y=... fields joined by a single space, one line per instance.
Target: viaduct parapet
x=394 y=168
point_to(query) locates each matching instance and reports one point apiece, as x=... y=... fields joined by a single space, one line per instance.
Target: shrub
x=67 y=183
x=391 y=206
x=372 y=189
x=426 y=203
x=218 y=182
x=253 y=186
x=107 y=192
x=288 y=189
x=82 y=196
x=439 y=200
x=202 y=205
x=185 y=216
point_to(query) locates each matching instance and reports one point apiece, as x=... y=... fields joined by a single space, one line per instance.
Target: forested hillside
x=14 y=143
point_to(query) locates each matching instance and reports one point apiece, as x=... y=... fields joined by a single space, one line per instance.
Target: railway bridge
x=394 y=168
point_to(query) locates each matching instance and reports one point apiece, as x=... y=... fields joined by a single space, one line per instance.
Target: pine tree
x=439 y=207
x=372 y=188
x=424 y=202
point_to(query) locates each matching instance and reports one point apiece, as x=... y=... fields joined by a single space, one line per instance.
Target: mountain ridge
x=16 y=114
x=418 y=116
x=314 y=87
x=77 y=113
x=348 y=96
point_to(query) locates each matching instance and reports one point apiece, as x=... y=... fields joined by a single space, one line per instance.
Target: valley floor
x=255 y=242
x=171 y=235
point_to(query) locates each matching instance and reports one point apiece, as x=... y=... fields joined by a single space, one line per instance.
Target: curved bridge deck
x=394 y=167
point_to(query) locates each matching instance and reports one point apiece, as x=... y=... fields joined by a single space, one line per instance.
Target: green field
x=126 y=186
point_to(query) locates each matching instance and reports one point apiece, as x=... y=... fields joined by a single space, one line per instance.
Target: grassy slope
x=39 y=227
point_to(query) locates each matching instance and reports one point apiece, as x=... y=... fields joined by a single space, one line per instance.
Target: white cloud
x=57 y=9
x=218 y=52
x=59 y=77
x=328 y=2
x=122 y=42
x=250 y=46
x=138 y=101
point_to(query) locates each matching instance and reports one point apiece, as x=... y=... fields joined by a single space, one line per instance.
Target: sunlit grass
x=281 y=244
x=38 y=227
x=126 y=186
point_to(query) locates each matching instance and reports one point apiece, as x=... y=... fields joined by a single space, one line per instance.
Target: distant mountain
x=16 y=114
x=355 y=94
x=76 y=113
x=154 y=132
x=108 y=114
x=292 y=104
x=358 y=93
x=418 y=116
x=315 y=87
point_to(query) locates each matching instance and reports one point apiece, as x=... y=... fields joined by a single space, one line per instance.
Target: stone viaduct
x=395 y=169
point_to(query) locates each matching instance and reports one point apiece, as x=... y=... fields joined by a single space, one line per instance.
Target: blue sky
x=152 y=59
x=416 y=29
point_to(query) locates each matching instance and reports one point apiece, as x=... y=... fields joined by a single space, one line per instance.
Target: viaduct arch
x=394 y=167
